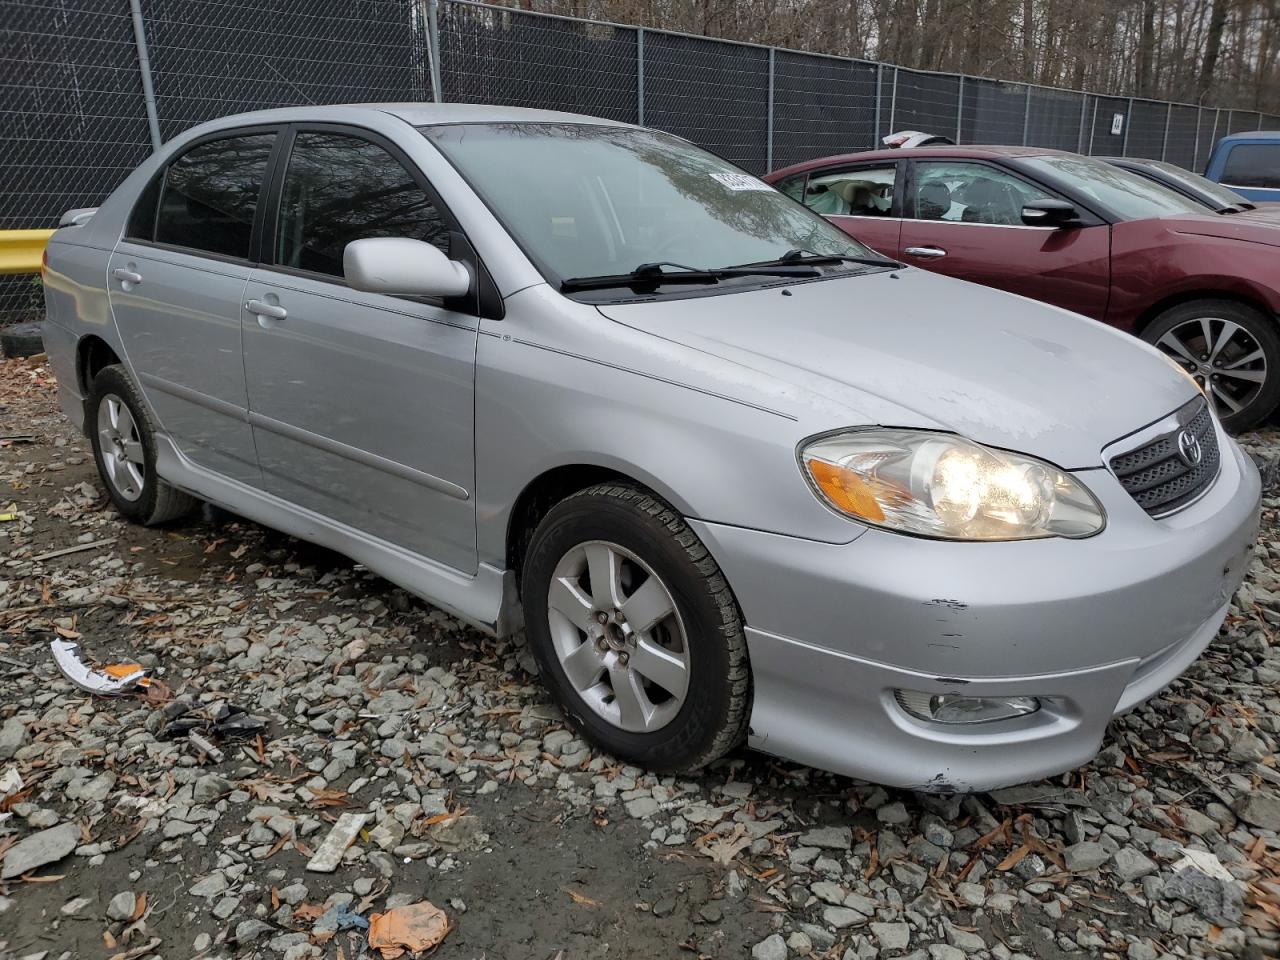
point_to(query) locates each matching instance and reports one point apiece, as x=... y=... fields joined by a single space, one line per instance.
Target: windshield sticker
x=740 y=181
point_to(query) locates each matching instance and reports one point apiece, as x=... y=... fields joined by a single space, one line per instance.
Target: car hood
x=1249 y=226
x=915 y=349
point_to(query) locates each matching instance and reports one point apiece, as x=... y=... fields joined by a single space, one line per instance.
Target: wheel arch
x=1256 y=302
x=92 y=354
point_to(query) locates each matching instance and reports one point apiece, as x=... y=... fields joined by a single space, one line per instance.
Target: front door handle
x=925 y=252
x=126 y=276
x=271 y=310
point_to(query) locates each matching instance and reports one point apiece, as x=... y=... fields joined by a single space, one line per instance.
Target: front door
x=175 y=282
x=964 y=219
x=362 y=404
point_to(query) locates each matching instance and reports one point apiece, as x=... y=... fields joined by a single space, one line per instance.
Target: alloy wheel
x=120 y=448
x=618 y=636
x=1222 y=356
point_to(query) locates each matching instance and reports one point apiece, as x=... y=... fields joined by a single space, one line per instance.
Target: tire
x=1221 y=360
x=115 y=410
x=21 y=340
x=647 y=540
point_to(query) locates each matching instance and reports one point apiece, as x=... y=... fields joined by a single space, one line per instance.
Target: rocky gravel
x=407 y=758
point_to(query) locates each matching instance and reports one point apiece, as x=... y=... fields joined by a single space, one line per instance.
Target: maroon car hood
x=1248 y=227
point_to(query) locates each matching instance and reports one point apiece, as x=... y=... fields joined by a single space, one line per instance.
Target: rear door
x=175 y=281
x=964 y=219
x=362 y=404
x=861 y=199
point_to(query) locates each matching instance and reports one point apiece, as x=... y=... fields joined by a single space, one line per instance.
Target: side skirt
x=487 y=600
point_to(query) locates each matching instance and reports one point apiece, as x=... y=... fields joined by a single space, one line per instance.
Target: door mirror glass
x=403 y=267
x=1049 y=213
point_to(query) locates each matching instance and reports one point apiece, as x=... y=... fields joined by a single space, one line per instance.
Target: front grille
x=1157 y=475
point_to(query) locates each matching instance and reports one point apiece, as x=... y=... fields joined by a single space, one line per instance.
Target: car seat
x=933 y=200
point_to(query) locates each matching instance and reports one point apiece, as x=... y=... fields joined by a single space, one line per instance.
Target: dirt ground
x=483 y=803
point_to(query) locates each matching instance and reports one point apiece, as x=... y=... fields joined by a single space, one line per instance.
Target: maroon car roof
x=944 y=152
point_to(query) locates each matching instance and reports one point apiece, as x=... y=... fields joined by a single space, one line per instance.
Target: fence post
x=1195 y=153
x=959 y=107
x=1093 y=126
x=1084 y=110
x=433 y=49
x=1128 y=122
x=144 y=68
x=1026 y=115
x=769 y=121
x=875 y=134
x=640 y=76
x=1164 y=146
x=893 y=100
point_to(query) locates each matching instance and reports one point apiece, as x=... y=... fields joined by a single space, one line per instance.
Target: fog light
x=961 y=708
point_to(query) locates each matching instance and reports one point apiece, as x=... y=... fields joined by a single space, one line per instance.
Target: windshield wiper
x=651 y=275
x=808 y=258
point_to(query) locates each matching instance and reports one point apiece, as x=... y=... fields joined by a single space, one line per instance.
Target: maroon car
x=1079 y=233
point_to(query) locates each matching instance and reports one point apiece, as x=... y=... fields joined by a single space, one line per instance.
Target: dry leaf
x=581 y=899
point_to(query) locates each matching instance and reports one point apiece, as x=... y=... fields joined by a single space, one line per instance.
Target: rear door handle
x=925 y=252
x=126 y=276
x=266 y=309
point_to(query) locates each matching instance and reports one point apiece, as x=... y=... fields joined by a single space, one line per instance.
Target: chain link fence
x=90 y=86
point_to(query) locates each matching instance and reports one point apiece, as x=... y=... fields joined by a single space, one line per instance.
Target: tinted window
x=862 y=192
x=210 y=194
x=1253 y=165
x=339 y=188
x=971 y=193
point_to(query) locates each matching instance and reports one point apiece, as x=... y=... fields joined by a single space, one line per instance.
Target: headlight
x=943 y=486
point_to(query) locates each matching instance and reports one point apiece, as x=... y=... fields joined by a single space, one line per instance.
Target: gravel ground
x=123 y=842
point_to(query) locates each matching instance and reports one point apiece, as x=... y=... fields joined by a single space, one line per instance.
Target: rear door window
x=339 y=188
x=210 y=194
x=856 y=192
x=1253 y=165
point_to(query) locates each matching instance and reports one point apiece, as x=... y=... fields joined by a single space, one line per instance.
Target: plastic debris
x=329 y=854
x=336 y=919
x=8 y=517
x=1205 y=862
x=204 y=746
x=109 y=681
x=408 y=929
x=222 y=719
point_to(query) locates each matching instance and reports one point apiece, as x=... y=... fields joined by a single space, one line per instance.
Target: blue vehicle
x=1248 y=163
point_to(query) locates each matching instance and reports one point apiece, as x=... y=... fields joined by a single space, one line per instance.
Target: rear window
x=209 y=196
x=1253 y=165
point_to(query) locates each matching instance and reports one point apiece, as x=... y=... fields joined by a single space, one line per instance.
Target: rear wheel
x=123 y=439
x=1231 y=350
x=635 y=629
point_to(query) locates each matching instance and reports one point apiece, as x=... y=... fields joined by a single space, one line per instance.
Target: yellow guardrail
x=22 y=250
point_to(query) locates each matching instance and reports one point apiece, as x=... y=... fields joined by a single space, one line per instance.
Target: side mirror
x=1050 y=213
x=403 y=267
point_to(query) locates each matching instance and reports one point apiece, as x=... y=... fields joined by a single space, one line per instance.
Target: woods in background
x=1217 y=52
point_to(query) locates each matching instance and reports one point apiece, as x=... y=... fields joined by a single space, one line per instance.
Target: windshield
x=1221 y=196
x=590 y=200
x=1127 y=194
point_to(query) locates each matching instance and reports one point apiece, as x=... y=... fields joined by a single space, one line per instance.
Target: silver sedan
x=736 y=475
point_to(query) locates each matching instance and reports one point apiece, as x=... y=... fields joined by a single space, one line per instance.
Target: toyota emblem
x=1189 y=448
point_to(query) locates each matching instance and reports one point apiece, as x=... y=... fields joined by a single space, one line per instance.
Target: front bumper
x=1090 y=627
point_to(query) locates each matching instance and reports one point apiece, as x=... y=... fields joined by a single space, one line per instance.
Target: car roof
x=1271 y=135
x=417 y=114
x=939 y=152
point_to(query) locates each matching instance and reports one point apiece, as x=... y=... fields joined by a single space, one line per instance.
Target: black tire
x=713 y=717
x=21 y=340
x=1258 y=332
x=158 y=502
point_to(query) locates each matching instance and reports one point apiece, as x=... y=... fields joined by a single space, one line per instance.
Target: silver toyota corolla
x=736 y=475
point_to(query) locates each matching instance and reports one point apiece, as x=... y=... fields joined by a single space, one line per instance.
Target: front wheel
x=1231 y=350
x=635 y=629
